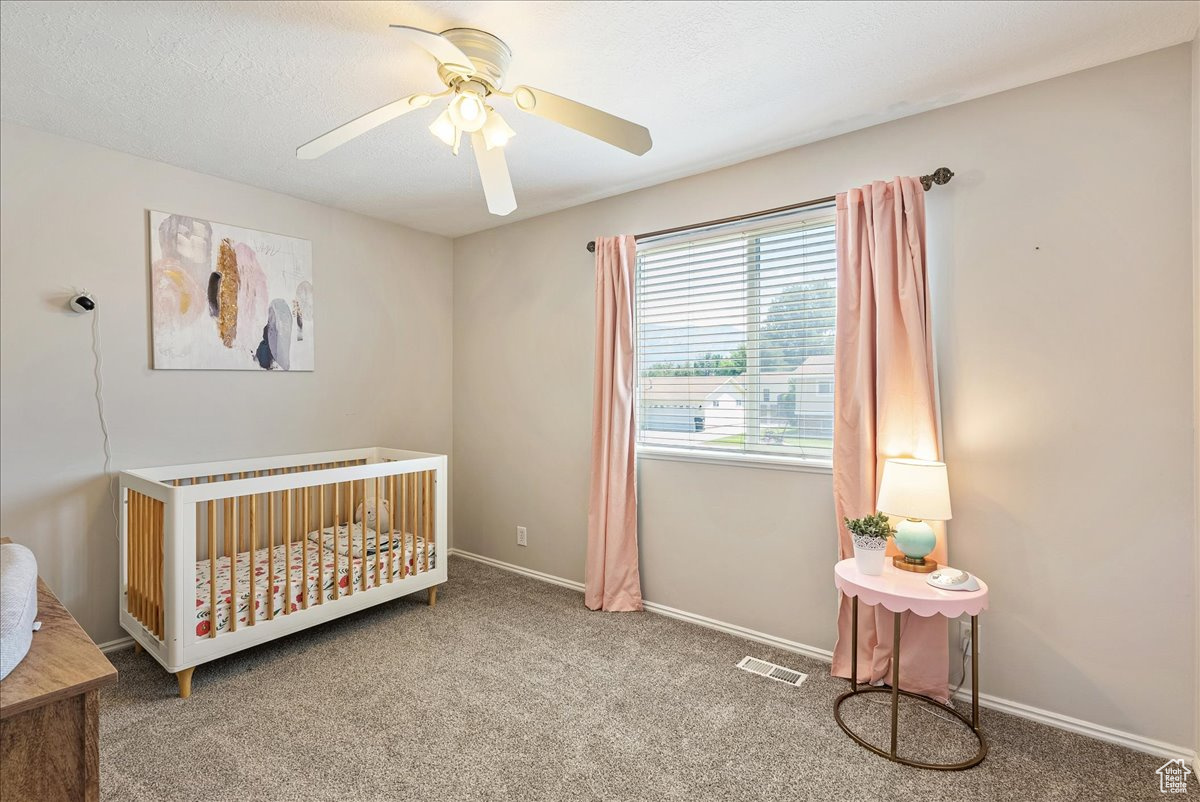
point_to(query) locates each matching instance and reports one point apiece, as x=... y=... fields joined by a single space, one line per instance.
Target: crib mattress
x=292 y=559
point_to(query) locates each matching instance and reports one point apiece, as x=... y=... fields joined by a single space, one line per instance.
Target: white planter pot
x=869 y=557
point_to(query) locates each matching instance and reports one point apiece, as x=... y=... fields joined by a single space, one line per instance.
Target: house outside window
x=743 y=315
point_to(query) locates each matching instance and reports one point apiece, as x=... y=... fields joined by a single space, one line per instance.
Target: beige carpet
x=510 y=689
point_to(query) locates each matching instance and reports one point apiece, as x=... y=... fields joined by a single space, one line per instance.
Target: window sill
x=764 y=461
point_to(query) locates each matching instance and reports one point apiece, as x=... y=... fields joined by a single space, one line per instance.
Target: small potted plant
x=870 y=536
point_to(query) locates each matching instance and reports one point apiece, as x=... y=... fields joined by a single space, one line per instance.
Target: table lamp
x=917 y=491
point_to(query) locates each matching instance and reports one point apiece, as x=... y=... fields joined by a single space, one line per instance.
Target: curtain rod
x=941 y=175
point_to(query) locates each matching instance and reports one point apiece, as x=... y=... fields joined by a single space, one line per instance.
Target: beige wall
x=1061 y=256
x=73 y=214
x=1196 y=343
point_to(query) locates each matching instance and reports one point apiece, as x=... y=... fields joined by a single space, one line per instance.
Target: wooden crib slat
x=362 y=565
x=391 y=565
x=337 y=561
x=158 y=565
x=134 y=556
x=143 y=558
x=227 y=522
x=129 y=552
x=304 y=552
x=212 y=567
x=233 y=505
x=287 y=551
x=350 y=537
x=132 y=545
x=270 y=594
x=253 y=603
x=378 y=525
x=321 y=544
x=427 y=507
x=411 y=478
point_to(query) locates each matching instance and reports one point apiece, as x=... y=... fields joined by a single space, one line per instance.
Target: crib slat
x=227 y=521
x=428 y=510
x=212 y=567
x=158 y=565
x=363 y=565
x=233 y=505
x=378 y=525
x=321 y=545
x=270 y=594
x=304 y=552
x=129 y=551
x=405 y=508
x=350 y=537
x=391 y=491
x=134 y=555
x=143 y=558
x=287 y=551
x=337 y=561
x=411 y=478
x=252 y=604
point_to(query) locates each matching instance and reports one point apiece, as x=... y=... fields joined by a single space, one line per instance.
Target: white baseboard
x=115 y=645
x=1100 y=732
x=824 y=655
x=516 y=569
x=1137 y=743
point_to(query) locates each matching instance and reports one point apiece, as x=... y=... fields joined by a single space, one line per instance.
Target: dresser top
x=62 y=661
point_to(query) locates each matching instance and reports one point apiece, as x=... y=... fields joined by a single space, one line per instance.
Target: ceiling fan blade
x=493 y=172
x=593 y=122
x=438 y=46
x=359 y=126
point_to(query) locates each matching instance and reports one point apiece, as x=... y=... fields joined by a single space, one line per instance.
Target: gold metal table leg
x=854 y=643
x=895 y=678
x=975 y=673
x=896 y=693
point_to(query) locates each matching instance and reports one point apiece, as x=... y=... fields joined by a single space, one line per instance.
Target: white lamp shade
x=496 y=132
x=443 y=128
x=915 y=488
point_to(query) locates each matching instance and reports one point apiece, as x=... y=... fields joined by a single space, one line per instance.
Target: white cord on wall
x=97 y=350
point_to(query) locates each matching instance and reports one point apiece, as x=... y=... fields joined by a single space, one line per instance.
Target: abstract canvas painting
x=229 y=298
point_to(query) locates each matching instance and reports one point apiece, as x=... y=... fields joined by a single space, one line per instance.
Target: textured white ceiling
x=232 y=88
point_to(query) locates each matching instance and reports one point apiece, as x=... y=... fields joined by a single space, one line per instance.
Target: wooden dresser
x=50 y=711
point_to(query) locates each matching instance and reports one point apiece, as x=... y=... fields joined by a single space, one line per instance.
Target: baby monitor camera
x=83 y=302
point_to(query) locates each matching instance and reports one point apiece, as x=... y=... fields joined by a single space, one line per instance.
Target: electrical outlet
x=964 y=636
x=522 y=539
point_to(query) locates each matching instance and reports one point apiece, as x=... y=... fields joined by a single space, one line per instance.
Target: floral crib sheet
x=293 y=558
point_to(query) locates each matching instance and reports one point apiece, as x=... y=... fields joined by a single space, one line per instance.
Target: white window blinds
x=734 y=330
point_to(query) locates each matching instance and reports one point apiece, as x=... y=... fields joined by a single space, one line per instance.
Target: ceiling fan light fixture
x=444 y=129
x=468 y=111
x=496 y=132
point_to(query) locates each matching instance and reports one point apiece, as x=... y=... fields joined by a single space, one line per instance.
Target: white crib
x=218 y=557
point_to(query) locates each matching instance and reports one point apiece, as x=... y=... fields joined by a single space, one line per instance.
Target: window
x=744 y=311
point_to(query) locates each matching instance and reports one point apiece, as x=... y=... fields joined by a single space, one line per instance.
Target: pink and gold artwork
x=229 y=298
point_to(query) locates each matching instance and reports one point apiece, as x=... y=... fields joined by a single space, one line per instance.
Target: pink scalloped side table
x=899 y=592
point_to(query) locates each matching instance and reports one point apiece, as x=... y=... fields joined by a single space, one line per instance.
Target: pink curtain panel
x=885 y=406
x=611 y=578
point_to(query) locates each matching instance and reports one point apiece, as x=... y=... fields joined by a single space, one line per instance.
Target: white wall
x=1061 y=258
x=73 y=214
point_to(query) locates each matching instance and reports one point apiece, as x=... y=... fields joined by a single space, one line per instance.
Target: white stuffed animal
x=374 y=521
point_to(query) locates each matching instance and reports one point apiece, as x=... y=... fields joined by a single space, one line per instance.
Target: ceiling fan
x=472 y=64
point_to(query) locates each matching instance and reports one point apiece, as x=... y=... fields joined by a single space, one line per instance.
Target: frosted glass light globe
x=467 y=111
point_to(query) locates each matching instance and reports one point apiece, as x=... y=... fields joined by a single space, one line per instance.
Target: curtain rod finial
x=941 y=175
x=592 y=246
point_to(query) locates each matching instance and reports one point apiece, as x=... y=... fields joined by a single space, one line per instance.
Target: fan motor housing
x=488 y=54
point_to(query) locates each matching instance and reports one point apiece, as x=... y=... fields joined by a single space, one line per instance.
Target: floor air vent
x=772 y=671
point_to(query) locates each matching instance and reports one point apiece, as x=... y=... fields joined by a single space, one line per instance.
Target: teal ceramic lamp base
x=916 y=540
